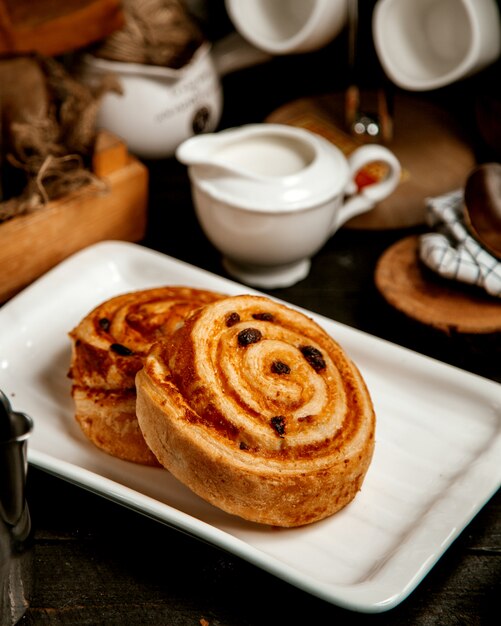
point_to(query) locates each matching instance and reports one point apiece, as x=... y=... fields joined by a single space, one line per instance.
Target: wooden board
x=53 y=27
x=423 y=295
x=34 y=243
x=435 y=156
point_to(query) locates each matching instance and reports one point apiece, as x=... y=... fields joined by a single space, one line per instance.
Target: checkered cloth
x=451 y=251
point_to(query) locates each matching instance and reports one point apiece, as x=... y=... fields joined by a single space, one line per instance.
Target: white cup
x=269 y=196
x=288 y=26
x=427 y=44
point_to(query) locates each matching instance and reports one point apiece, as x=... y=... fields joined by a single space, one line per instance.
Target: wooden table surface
x=96 y=562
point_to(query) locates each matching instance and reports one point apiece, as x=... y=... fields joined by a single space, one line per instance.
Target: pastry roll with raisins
x=108 y=348
x=255 y=408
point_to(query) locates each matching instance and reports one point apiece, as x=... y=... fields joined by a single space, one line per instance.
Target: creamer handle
x=360 y=201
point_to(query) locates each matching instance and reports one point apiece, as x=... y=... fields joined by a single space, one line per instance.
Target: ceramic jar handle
x=362 y=200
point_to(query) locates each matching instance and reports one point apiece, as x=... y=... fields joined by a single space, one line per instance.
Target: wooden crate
x=34 y=243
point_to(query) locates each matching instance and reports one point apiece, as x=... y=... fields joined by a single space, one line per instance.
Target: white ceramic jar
x=160 y=107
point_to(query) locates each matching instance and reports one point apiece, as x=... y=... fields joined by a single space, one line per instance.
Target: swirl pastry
x=256 y=409
x=108 y=348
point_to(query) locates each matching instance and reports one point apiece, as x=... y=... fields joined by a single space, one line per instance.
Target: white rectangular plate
x=438 y=442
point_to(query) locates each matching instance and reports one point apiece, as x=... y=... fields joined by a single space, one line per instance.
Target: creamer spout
x=210 y=155
x=198 y=150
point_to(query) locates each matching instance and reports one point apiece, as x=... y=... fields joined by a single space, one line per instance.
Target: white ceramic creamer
x=268 y=196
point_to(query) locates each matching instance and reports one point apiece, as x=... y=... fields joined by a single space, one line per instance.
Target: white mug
x=288 y=26
x=427 y=44
x=269 y=196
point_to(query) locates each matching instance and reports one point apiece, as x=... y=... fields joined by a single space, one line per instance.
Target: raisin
x=314 y=357
x=277 y=367
x=278 y=424
x=104 y=323
x=232 y=319
x=243 y=446
x=248 y=336
x=118 y=348
x=265 y=317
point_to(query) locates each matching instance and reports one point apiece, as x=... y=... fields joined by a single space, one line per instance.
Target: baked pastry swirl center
x=258 y=410
x=275 y=397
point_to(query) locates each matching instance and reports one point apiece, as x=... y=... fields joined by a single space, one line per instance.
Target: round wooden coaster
x=415 y=290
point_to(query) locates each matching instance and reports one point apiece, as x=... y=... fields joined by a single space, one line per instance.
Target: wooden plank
x=110 y=154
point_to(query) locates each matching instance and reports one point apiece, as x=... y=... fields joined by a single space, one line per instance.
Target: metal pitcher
x=15 y=522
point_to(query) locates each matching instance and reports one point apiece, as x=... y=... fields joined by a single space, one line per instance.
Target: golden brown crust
x=259 y=411
x=108 y=419
x=108 y=348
